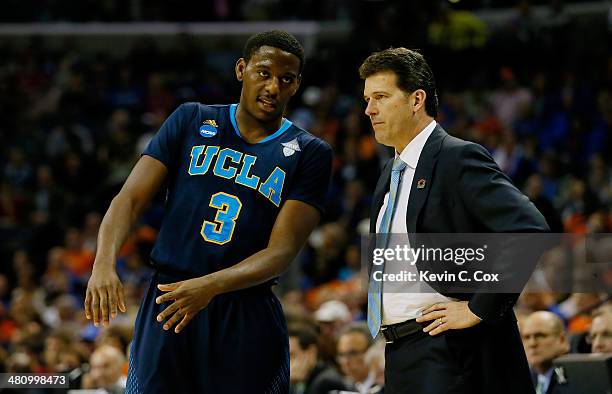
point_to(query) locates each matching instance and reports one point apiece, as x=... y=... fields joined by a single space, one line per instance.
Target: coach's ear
x=240 y=67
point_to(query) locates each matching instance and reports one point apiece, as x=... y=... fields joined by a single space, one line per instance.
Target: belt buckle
x=389 y=334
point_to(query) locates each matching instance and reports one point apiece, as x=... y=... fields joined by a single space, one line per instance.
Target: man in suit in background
x=544 y=340
x=440 y=343
x=600 y=333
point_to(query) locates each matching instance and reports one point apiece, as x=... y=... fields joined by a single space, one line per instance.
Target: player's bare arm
x=294 y=223
x=104 y=296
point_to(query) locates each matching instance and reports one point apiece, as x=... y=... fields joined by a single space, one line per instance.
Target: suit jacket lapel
x=421 y=183
x=382 y=187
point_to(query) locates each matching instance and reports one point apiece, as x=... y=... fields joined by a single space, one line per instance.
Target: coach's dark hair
x=305 y=335
x=411 y=69
x=274 y=38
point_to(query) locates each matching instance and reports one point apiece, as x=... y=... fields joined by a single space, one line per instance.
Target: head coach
x=439 y=342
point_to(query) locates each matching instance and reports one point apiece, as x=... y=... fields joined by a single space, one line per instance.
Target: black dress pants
x=424 y=364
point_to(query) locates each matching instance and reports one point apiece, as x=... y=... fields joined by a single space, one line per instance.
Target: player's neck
x=252 y=129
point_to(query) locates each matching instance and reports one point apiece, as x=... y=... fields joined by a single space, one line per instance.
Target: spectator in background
x=308 y=374
x=62 y=313
x=20 y=362
x=78 y=260
x=57 y=280
x=600 y=333
x=508 y=100
x=61 y=354
x=353 y=344
x=534 y=189
x=375 y=359
x=117 y=336
x=332 y=317
x=55 y=344
x=544 y=340
x=106 y=370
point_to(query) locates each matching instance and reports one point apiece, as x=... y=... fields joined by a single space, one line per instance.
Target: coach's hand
x=104 y=295
x=448 y=316
x=189 y=296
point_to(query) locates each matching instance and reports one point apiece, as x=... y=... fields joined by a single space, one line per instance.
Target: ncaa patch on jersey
x=289 y=148
x=208 y=129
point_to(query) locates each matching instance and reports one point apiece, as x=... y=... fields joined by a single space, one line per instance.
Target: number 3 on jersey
x=221 y=230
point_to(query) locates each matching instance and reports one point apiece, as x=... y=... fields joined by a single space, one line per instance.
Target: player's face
x=269 y=80
x=390 y=109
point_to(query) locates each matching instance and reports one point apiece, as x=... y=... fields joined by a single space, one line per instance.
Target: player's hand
x=104 y=296
x=189 y=296
x=448 y=316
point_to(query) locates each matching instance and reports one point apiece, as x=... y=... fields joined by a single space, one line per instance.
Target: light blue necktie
x=375 y=287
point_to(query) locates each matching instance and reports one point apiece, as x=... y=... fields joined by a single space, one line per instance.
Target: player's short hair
x=306 y=336
x=411 y=70
x=274 y=38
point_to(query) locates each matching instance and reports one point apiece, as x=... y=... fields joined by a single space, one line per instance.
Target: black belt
x=393 y=332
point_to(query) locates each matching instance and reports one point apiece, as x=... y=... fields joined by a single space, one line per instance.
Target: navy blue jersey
x=224 y=193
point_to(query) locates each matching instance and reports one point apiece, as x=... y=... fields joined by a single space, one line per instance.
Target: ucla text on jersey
x=225 y=193
x=203 y=156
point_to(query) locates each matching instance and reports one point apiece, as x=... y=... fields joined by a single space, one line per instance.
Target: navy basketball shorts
x=236 y=345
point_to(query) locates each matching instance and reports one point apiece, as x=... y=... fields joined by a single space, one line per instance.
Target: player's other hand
x=104 y=296
x=189 y=296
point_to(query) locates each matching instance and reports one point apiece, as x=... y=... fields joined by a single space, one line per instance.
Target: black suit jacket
x=466 y=192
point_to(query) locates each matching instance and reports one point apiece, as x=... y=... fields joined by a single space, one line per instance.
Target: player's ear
x=298 y=81
x=240 y=67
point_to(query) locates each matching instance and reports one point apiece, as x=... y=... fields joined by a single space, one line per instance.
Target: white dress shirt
x=407 y=298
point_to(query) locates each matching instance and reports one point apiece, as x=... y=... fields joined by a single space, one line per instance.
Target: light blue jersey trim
x=284 y=126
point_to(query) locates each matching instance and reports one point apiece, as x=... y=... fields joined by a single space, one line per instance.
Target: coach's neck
x=420 y=120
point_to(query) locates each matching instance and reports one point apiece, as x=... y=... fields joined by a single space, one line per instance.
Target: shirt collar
x=411 y=153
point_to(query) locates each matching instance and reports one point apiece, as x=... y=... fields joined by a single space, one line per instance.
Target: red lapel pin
x=421 y=183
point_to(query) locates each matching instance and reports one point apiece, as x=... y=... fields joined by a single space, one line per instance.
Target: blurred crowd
x=206 y=10
x=74 y=122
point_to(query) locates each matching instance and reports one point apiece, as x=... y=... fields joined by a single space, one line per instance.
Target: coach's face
x=391 y=110
x=269 y=79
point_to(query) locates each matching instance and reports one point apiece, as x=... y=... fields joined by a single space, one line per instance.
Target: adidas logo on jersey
x=289 y=148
